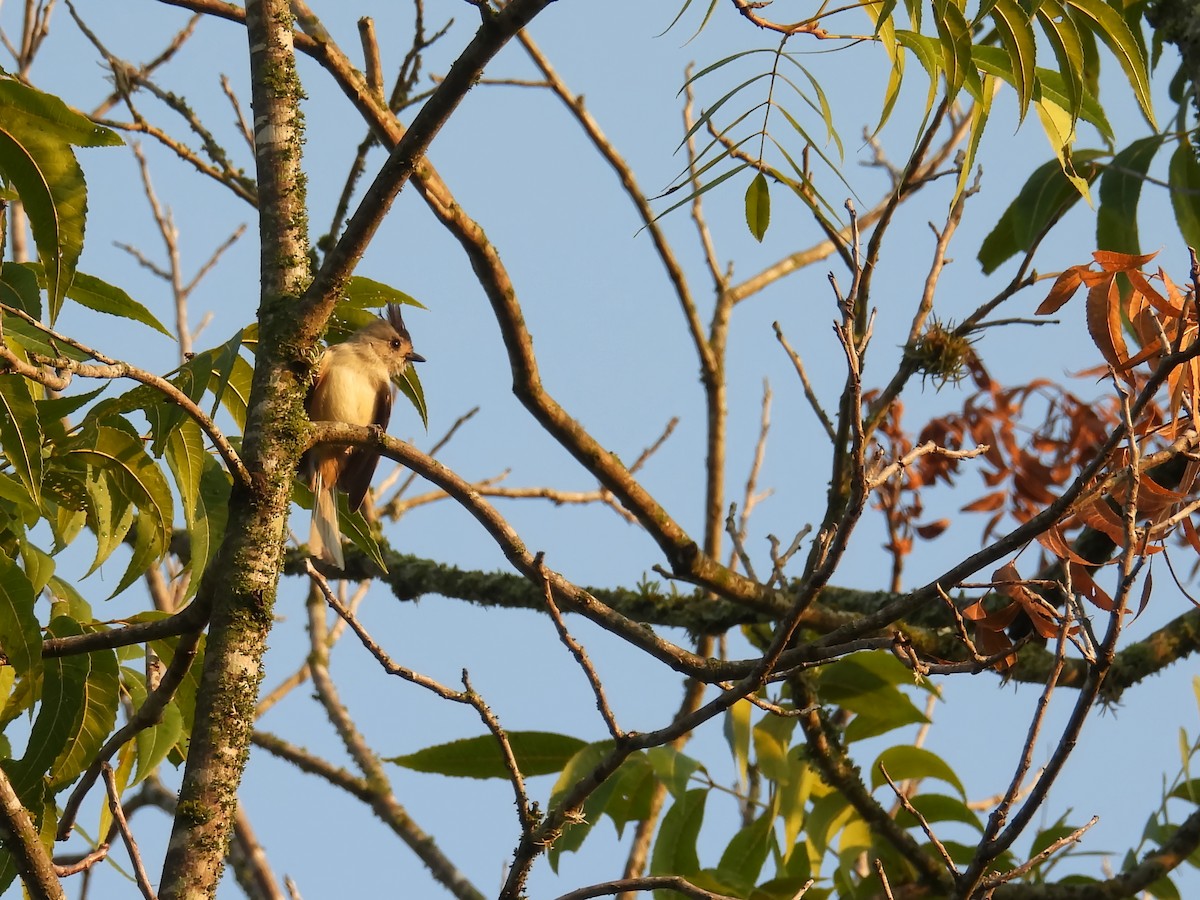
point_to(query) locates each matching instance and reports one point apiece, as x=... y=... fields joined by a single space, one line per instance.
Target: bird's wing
x=360 y=467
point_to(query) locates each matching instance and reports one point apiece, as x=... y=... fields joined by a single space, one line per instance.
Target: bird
x=353 y=384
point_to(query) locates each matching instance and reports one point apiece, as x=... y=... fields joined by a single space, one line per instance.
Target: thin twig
x=581 y=656
x=114 y=806
x=921 y=820
x=809 y=393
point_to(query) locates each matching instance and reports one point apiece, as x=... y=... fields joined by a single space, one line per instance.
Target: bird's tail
x=325 y=539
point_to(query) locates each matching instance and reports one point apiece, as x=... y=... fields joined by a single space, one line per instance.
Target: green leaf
x=355 y=526
x=885 y=30
x=1184 y=175
x=706 y=186
x=67 y=601
x=63 y=701
x=939 y=808
x=1120 y=189
x=53 y=411
x=39 y=565
x=625 y=796
x=19 y=289
x=410 y=386
x=536 y=752
x=1187 y=790
x=118 y=453
x=20 y=634
x=1063 y=37
x=156 y=742
x=737 y=735
x=904 y=762
x=829 y=815
x=581 y=825
x=66 y=525
x=747 y=852
x=23 y=336
x=209 y=520
x=234 y=387
x=703 y=22
x=772 y=738
x=27 y=109
x=20 y=507
x=148 y=549
x=1043 y=200
x=580 y=766
x=185 y=696
x=979 y=117
x=929 y=55
x=50 y=182
x=1059 y=128
x=1052 y=88
x=95 y=675
x=204 y=494
x=185 y=457
x=110 y=516
x=954 y=35
x=36 y=158
x=90 y=291
x=675 y=848
x=1110 y=26
x=867 y=684
x=794 y=793
x=674 y=769
x=1016 y=34
x=706 y=116
x=1163 y=889
x=758 y=206
x=21 y=434
x=632 y=793
x=365 y=293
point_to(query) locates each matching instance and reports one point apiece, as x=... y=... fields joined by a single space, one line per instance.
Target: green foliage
x=37 y=161
x=536 y=753
x=797 y=828
x=961 y=51
x=758 y=206
x=1043 y=200
x=1120 y=189
x=1184 y=175
x=81 y=463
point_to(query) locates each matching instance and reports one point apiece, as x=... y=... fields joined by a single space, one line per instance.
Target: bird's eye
x=395 y=343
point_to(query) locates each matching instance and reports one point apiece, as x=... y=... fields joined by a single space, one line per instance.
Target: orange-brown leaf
x=932 y=529
x=1096 y=513
x=1147 y=589
x=1141 y=284
x=1082 y=581
x=1189 y=534
x=987 y=502
x=1042 y=615
x=1032 y=484
x=1154 y=498
x=1104 y=321
x=991 y=643
x=1055 y=541
x=1006 y=578
x=1063 y=290
x=1112 y=261
x=975 y=612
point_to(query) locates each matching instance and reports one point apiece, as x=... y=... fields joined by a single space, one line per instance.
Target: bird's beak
x=415 y=357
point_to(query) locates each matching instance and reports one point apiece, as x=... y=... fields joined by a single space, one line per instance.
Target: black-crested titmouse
x=353 y=385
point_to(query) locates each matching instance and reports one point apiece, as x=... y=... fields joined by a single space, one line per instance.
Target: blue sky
x=614 y=351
